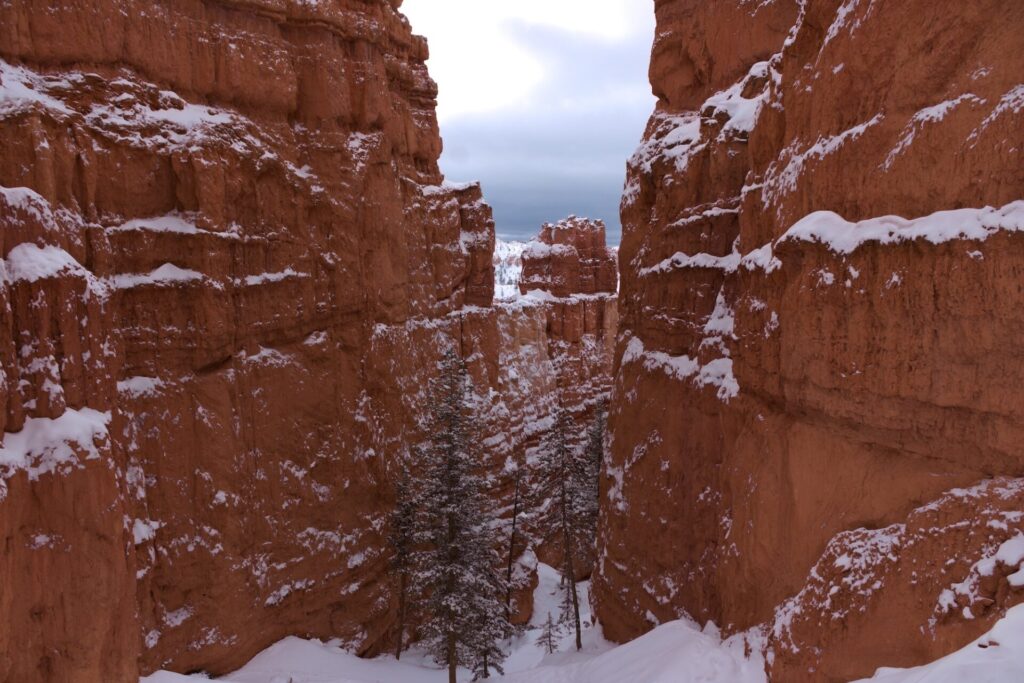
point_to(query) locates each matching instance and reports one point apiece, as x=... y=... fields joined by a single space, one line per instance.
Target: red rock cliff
x=817 y=419
x=230 y=263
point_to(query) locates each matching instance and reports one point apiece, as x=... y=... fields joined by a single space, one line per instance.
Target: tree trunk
x=511 y=552
x=570 y=569
x=452 y=556
x=452 y=663
x=575 y=607
x=401 y=616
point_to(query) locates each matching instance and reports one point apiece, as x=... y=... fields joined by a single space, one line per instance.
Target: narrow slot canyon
x=774 y=434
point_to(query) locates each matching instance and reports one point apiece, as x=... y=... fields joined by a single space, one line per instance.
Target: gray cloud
x=564 y=150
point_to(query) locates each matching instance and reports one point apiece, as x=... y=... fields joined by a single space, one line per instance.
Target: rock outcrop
x=570 y=257
x=817 y=419
x=230 y=265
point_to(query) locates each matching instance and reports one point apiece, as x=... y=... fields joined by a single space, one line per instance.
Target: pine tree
x=516 y=504
x=549 y=633
x=455 y=560
x=587 y=476
x=560 y=469
x=400 y=538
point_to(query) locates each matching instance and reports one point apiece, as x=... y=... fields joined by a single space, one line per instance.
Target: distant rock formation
x=570 y=257
x=817 y=418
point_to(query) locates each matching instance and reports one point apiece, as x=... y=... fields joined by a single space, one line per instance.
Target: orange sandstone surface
x=817 y=424
x=230 y=265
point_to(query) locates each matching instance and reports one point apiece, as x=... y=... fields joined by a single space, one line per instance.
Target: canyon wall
x=817 y=417
x=229 y=266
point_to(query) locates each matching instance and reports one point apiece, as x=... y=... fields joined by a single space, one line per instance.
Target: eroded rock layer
x=229 y=266
x=817 y=419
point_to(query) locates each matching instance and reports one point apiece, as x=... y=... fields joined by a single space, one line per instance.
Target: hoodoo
x=570 y=257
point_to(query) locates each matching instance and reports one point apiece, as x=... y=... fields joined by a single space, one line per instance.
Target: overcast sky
x=541 y=100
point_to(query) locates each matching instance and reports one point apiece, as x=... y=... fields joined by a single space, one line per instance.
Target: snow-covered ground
x=675 y=652
x=678 y=652
x=996 y=657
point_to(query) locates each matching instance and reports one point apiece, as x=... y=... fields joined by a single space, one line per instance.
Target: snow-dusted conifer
x=400 y=538
x=549 y=632
x=455 y=557
x=587 y=476
x=558 y=465
x=517 y=504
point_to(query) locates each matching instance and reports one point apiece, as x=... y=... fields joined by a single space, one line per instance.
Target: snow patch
x=21 y=89
x=138 y=386
x=166 y=275
x=169 y=223
x=29 y=262
x=717 y=373
x=45 y=444
x=742 y=112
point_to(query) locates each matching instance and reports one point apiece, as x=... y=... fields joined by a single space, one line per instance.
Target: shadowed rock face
x=800 y=405
x=230 y=265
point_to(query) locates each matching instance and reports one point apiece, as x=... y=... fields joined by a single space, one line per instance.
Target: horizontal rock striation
x=842 y=445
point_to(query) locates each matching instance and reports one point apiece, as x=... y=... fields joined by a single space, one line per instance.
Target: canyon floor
x=675 y=652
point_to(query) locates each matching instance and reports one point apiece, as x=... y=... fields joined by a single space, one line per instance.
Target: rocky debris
x=569 y=257
x=823 y=381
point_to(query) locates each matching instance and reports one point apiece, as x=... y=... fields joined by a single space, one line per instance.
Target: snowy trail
x=676 y=652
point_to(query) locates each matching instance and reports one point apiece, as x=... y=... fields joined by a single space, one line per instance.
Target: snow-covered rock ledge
x=845 y=237
x=46 y=445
